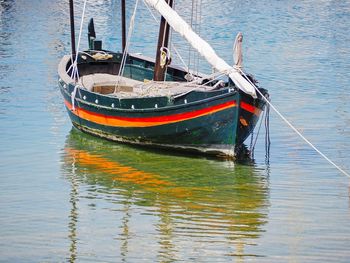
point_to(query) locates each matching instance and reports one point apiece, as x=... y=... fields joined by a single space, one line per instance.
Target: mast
x=123 y=25
x=199 y=44
x=163 y=40
x=72 y=31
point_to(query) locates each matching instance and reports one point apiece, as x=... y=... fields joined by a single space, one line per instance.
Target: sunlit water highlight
x=66 y=196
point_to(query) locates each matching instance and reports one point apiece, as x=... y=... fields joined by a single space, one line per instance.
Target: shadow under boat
x=222 y=200
x=243 y=155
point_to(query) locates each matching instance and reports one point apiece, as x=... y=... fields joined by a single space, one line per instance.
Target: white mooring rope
x=295 y=129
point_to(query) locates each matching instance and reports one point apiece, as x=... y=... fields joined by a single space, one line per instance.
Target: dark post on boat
x=72 y=31
x=163 y=39
x=123 y=25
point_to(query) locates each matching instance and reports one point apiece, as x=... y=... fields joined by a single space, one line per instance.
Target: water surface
x=67 y=196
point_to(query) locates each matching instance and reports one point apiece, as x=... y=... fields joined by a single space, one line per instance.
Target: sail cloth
x=237 y=51
x=180 y=26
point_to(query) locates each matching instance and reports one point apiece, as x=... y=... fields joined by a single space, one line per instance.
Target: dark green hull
x=212 y=122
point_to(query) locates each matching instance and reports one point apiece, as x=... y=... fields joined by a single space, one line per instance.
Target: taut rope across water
x=296 y=130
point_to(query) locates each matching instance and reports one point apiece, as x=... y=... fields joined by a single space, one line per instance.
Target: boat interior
x=101 y=76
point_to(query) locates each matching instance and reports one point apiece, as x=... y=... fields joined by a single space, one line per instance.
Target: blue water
x=66 y=196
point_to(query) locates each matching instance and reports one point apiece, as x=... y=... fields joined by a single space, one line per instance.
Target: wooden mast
x=163 y=39
x=72 y=31
x=123 y=25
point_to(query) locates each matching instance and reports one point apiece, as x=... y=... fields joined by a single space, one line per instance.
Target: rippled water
x=66 y=196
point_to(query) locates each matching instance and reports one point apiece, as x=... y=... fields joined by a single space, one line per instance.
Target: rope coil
x=164 y=57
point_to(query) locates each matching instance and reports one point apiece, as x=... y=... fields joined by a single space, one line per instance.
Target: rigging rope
x=293 y=128
x=199 y=31
x=189 y=46
x=130 y=31
x=267 y=134
x=253 y=142
x=75 y=72
x=171 y=44
x=212 y=78
x=127 y=44
x=165 y=51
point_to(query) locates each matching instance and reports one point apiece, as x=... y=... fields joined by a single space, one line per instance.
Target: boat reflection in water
x=160 y=207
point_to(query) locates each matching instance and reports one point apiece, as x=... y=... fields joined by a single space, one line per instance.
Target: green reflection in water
x=193 y=198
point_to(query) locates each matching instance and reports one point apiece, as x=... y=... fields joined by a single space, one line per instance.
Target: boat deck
x=123 y=87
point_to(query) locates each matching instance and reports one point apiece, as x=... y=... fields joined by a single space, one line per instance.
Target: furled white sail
x=237 y=51
x=180 y=26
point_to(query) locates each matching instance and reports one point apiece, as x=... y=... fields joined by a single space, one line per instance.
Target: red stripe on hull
x=117 y=121
x=250 y=108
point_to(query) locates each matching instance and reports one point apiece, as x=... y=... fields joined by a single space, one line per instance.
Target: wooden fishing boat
x=133 y=99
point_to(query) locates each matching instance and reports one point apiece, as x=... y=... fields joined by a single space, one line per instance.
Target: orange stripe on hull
x=117 y=121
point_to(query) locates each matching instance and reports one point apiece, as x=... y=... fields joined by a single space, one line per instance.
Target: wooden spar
x=163 y=39
x=123 y=25
x=72 y=31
